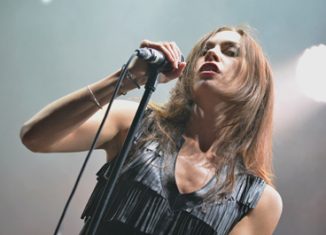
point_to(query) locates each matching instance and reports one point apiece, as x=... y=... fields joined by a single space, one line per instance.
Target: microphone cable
x=122 y=76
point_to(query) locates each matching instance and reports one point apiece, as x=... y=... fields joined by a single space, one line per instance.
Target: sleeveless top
x=146 y=199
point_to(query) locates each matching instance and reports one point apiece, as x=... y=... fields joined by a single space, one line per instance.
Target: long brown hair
x=245 y=126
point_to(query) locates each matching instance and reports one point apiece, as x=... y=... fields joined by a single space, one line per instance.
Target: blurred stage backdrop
x=50 y=48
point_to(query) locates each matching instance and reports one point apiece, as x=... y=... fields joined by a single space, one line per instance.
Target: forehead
x=225 y=36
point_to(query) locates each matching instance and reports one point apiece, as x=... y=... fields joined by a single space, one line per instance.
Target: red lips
x=209 y=67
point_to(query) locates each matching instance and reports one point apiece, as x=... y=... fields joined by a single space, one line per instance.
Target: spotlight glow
x=311 y=72
x=46 y=2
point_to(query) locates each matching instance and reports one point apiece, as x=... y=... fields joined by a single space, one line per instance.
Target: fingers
x=172 y=53
x=175 y=52
x=175 y=73
x=170 y=50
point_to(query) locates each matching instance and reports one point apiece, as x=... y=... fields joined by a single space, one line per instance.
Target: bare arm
x=263 y=219
x=69 y=123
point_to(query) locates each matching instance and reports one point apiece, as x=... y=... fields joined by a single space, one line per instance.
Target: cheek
x=231 y=69
x=198 y=64
x=232 y=64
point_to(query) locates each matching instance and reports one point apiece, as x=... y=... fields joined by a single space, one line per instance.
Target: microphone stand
x=114 y=172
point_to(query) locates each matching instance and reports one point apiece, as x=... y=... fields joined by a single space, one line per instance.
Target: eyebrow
x=228 y=43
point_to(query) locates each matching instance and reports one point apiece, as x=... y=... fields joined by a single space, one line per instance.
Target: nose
x=213 y=54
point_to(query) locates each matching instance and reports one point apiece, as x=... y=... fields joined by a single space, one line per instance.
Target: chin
x=205 y=88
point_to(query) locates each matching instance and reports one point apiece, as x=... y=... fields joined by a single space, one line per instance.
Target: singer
x=201 y=163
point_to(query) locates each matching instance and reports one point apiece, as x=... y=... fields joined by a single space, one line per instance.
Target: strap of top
x=249 y=189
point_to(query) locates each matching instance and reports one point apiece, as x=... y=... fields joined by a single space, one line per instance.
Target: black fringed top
x=146 y=200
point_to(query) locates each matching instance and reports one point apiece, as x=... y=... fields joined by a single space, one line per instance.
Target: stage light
x=311 y=73
x=46 y=2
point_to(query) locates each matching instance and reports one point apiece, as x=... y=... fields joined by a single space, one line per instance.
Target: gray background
x=49 y=50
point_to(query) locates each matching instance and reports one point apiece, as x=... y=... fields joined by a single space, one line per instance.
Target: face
x=219 y=57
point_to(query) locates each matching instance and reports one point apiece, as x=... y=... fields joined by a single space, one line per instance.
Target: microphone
x=155 y=58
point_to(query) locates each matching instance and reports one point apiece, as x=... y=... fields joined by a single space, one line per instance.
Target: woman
x=201 y=164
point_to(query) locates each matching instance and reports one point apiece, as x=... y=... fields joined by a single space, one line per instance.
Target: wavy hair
x=245 y=121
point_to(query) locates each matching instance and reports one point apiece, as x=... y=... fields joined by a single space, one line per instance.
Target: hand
x=172 y=53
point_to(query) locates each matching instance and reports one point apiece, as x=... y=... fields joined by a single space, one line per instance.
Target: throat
x=203 y=142
x=201 y=135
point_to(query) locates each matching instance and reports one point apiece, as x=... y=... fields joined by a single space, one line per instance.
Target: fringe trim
x=136 y=205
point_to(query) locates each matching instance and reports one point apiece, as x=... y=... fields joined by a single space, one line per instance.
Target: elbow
x=30 y=141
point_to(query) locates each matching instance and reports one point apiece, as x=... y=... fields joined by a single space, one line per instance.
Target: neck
x=201 y=127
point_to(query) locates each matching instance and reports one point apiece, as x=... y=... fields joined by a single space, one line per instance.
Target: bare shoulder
x=271 y=200
x=264 y=218
x=268 y=210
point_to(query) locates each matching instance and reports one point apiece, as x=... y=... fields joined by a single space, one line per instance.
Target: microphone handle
x=155 y=58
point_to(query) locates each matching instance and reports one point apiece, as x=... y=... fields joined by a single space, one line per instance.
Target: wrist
x=132 y=81
x=93 y=98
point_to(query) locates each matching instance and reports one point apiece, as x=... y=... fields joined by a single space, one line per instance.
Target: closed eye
x=204 y=50
x=232 y=52
x=230 y=49
x=227 y=48
x=208 y=45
